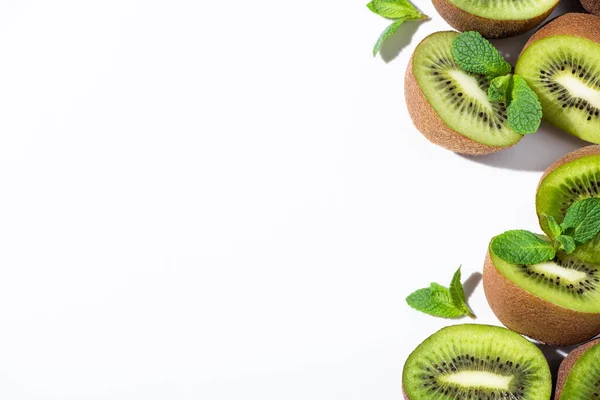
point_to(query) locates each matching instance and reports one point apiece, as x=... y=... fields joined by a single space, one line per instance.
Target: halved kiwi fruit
x=556 y=302
x=579 y=374
x=495 y=18
x=449 y=106
x=476 y=362
x=573 y=177
x=561 y=63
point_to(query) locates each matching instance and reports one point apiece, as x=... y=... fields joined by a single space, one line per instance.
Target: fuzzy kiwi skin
x=571 y=24
x=431 y=125
x=568 y=363
x=489 y=28
x=592 y=6
x=532 y=316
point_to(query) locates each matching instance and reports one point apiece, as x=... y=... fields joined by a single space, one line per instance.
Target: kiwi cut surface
x=583 y=376
x=450 y=106
x=556 y=302
x=476 y=362
x=567 y=364
x=561 y=63
x=495 y=18
x=573 y=177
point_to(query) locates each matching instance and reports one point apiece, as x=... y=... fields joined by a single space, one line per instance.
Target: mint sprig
x=580 y=225
x=398 y=10
x=439 y=301
x=473 y=53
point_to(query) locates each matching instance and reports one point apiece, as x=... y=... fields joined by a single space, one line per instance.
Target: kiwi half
x=573 y=177
x=588 y=385
x=561 y=63
x=476 y=362
x=495 y=18
x=557 y=302
x=449 y=106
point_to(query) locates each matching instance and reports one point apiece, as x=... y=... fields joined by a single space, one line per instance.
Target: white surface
x=227 y=200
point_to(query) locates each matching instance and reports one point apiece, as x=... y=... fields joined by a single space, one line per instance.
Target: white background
x=227 y=200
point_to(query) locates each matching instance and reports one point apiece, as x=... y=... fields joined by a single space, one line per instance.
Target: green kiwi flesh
x=583 y=381
x=565 y=281
x=476 y=362
x=570 y=182
x=564 y=71
x=460 y=98
x=505 y=9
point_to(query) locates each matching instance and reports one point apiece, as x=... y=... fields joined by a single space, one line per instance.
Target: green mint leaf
x=554 y=226
x=394 y=9
x=473 y=53
x=436 y=287
x=567 y=243
x=457 y=293
x=582 y=220
x=434 y=302
x=524 y=111
x=522 y=247
x=499 y=88
x=392 y=28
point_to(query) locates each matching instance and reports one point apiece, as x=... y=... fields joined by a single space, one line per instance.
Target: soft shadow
x=471 y=283
x=554 y=355
x=393 y=45
x=511 y=47
x=534 y=152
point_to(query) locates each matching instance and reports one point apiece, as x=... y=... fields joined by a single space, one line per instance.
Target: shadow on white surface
x=555 y=355
x=471 y=283
x=534 y=152
x=392 y=46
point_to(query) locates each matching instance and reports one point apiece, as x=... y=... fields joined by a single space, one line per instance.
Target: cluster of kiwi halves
x=557 y=303
x=561 y=63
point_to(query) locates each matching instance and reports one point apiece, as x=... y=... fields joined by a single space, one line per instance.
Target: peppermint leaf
x=437 y=303
x=554 y=226
x=457 y=293
x=567 y=243
x=499 y=88
x=524 y=111
x=522 y=247
x=394 y=9
x=582 y=220
x=473 y=53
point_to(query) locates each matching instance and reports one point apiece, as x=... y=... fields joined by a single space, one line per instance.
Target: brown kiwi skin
x=431 y=125
x=591 y=6
x=533 y=316
x=567 y=364
x=489 y=28
x=571 y=24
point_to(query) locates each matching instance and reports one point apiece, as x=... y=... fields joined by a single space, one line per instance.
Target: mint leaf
x=522 y=247
x=499 y=88
x=400 y=10
x=473 y=53
x=394 y=9
x=554 y=226
x=582 y=220
x=434 y=302
x=524 y=111
x=457 y=293
x=567 y=243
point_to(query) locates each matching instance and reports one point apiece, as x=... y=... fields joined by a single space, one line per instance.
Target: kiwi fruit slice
x=476 y=362
x=584 y=382
x=556 y=302
x=591 y=6
x=573 y=177
x=495 y=18
x=449 y=106
x=561 y=63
